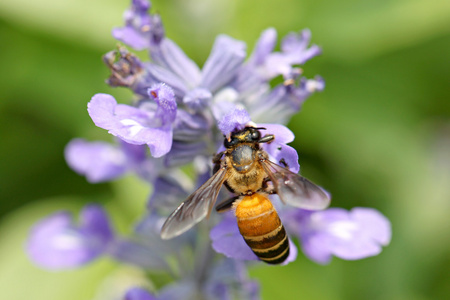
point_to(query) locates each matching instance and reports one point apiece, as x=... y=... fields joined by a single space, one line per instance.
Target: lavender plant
x=179 y=117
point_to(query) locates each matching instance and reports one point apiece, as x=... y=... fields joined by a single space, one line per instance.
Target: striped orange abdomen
x=261 y=228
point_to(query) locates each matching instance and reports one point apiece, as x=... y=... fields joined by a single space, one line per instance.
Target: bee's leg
x=226 y=205
x=217 y=160
x=267 y=138
x=218 y=157
x=267 y=186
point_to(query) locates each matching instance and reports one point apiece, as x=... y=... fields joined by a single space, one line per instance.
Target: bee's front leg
x=217 y=161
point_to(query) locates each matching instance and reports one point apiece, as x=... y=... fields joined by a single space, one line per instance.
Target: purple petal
x=57 y=243
x=294 y=52
x=264 y=46
x=283 y=155
x=134 y=125
x=235 y=120
x=218 y=290
x=189 y=127
x=373 y=223
x=294 y=45
x=229 y=277
x=167 y=193
x=226 y=239
x=94 y=222
x=162 y=74
x=142 y=254
x=284 y=100
x=130 y=36
x=181 y=290
x=276 y=106
x=252 y=79
x=98 y=161
x=224 y=102
x=146 y=249
x=140 y=5
x=138 y=293
x=350 y=235
x=293 y=41
x=161 y=143
x=316 y=248
x=197 y=99
x=283 y=135
x=276 y=64
x=135 y=154
x=279 y=152
x=172 y=58
x=223 y=63
x=298 y=94
x=183 y=153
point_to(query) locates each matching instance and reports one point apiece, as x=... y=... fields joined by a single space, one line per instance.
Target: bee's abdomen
x=261 y=228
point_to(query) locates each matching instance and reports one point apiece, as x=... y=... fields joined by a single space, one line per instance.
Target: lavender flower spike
x=143 y=125
x=56 y=242
x=182 y=113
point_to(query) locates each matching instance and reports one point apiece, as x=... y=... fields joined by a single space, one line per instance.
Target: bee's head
x=246 y=135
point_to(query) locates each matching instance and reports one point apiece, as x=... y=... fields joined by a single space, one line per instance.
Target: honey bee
x=245 y=169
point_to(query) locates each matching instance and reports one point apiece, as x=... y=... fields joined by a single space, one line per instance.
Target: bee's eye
x=256 y=135
x=230 y=143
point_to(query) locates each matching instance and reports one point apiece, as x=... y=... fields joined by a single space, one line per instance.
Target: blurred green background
x=378 y=136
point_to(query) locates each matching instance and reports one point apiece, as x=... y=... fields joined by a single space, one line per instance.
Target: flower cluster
x=181 y=114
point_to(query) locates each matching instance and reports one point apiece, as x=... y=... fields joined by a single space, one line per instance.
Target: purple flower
x=100 y=161
x=350 y=235
x=56 y=242
x=143 y=125
x=181 y=113
x=263 y=48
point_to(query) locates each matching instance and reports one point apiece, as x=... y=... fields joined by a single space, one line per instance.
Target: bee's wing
x=294 y=189
x=195 y=208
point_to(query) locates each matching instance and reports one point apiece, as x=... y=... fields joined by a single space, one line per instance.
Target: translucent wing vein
x=294 y=189
x=195 y=208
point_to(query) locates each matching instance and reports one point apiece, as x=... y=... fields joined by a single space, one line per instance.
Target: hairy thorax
x=246 y=173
